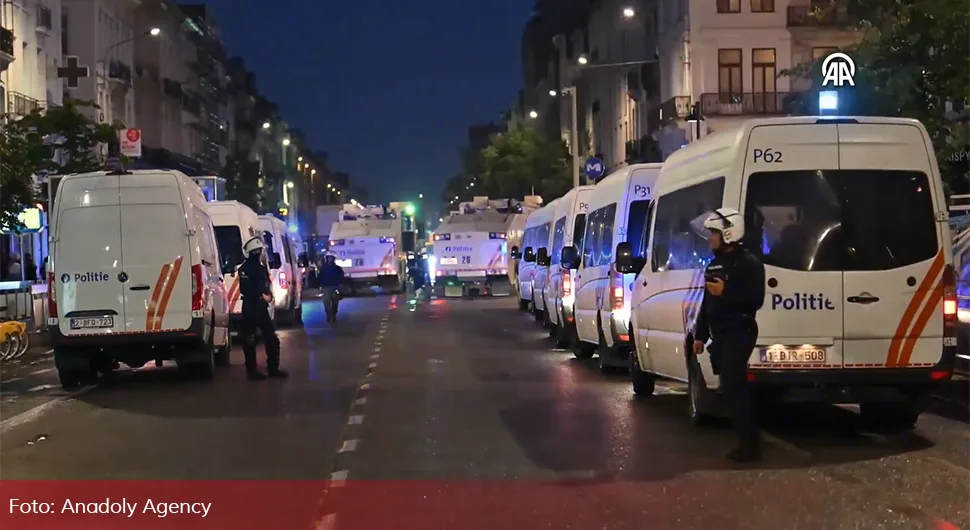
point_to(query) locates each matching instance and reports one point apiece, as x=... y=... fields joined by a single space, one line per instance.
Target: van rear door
x=791 y=218
x=157 y=257
x=88 y=258
x=894 y=259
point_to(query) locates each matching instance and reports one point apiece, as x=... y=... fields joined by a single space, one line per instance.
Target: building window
x=762 y=6
x=764 y=72
x=822 y=52
x=728 y=6
x=730 y=86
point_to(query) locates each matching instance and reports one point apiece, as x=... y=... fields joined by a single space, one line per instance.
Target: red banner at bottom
x=677 y=503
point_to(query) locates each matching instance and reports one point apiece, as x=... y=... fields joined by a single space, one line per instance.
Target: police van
x=134 y=275
x=532 y=270
x=235 y=223
x=369 y=245
x=617 y=207
x=849 y=218
x=287 y=278
x=567 y=230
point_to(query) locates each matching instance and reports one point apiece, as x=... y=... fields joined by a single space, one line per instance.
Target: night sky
x=387 y=88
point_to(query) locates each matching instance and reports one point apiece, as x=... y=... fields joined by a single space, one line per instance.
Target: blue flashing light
x=828 y=100
x=292 y=228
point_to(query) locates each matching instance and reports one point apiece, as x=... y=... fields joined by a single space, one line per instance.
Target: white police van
x=849 y=218
x=617 y=207
x=287 y=278
x=568 y=229
x=532 y=275
x=235 y=223
x=134 y=275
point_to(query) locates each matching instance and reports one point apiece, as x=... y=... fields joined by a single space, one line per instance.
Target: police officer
x=254 y=286
x=735 y=291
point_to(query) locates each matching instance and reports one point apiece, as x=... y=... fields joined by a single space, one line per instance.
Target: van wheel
x=697 y=395
x=222 y=354
x=70 y=378
x=889 y=417
x=643 y=383
x=582 y=350
x=523 y=305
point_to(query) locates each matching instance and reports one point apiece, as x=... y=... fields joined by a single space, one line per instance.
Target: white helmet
x=255 y=243
x=729 y=222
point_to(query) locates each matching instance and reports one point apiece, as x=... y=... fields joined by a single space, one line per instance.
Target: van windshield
x=840 y=220
x=229 y=240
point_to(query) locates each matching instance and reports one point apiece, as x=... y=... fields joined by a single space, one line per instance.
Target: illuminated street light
x=154 y=32
x=420 y=195
x=299 y=159
x=289 y=184
x=409 y=209
x=533 y=114
x=286 y=141
x=628 y=12
x=553 y=93
x=583 y=59
x=313 y=172
x=266 y=125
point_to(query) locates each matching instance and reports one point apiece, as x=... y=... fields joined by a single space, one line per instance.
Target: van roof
x=542 y=215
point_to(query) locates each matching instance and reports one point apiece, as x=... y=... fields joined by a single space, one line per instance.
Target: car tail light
x=442 y=237
x=949 y=300
x=439 y=273
x=616 y=291
x=198 y=299
x=387 y=240
x=284 y=281
x=567 y=284
x=51 y=298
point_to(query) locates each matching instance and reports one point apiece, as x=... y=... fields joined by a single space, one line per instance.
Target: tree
x=911 y=62
x=518 y=163
x=56 y=140
x=242 y=180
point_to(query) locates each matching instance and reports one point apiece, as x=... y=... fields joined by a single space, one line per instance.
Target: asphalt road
x=408 y=402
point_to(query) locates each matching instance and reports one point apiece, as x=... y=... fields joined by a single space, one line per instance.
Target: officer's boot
x=249 y=352
x=272 y=344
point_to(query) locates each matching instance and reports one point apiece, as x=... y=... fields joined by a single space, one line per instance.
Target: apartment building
x=209 y=69
x=30 y=47
x=725 y=56
x=102 y=34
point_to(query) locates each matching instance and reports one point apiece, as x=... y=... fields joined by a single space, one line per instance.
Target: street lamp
x=583 y=59
x=553 y=93
x=290 y=185
x=695 y=117
x=286 y=141
x=299 y=159
x=533 y=114
x=628 y=12
x=420 y=195
x=154 y=32
x=266 y=125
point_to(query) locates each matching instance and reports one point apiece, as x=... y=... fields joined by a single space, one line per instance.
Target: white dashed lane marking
x=348 y=446
x=356 y=419
x=360 y=401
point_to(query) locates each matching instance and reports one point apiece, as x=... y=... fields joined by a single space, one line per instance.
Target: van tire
x=582 y=350
x=70 y=378
x=643 y=383
x=222 y=353
x=523 y=305
x=889 y=417
x=697 y=395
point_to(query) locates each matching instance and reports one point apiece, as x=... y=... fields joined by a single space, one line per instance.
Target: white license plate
x=93 y=323
x=792 y=355
x=449 y=261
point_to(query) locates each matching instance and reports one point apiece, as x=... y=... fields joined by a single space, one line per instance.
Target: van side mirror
x=542 y=257
x=275 y=262
x=514 y=252
x=569 y=258
x=626 y=262
x=529 y=256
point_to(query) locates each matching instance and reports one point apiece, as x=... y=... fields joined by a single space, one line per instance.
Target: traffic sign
x=595 y=168
x=131 y=142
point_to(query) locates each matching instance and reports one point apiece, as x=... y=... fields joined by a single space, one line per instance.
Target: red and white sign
x=131 y=142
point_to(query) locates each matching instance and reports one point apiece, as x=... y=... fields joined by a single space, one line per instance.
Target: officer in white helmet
x=734 y=292
x=255 y=288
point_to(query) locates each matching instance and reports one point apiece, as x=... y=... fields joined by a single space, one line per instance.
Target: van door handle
x=140 y=287
x=862 y=299
x=644 y=283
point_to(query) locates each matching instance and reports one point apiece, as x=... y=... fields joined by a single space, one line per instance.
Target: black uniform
x=254 y=282
x=729 y=320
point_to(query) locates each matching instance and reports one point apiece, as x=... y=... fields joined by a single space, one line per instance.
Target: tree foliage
x=242 y=181
x=57 y=140
x=912 y=61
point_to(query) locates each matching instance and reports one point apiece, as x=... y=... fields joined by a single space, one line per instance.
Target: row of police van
x=143 y=269
x=850 y=220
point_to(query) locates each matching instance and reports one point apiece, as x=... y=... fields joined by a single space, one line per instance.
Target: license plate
x=792 y=355
x=93 y=323
x=449 y=261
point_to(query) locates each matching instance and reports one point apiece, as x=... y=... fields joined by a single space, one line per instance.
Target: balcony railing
x=6 y=41
x=119 y=71
x=172 y=89
x=757 y=103
x=45 y=19
x=811 y=17
x=21 y=105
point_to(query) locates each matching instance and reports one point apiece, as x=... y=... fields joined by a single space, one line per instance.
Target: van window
x=636 y=225
x=268 y=240
x=833 y=220
x=676 y=246
x=288 y=250
x=598 y=243
x=558 y=237
x=542 y=237
x=579 y=230
x=230 y=244
x=589 y=240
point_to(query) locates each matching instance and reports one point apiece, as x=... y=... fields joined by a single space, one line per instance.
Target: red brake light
x=283 y=280
x=616 y=291
x=567 y=284
x=51 y=299
x=949 y=297
x=198 y=299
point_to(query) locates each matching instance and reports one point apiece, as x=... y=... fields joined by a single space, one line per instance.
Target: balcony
x=675 y=108
x=748 y=104
x=191 y=103
x=818 y=17
x=19 y=105
x=120 y=73
x=45 y=21
x=6 y=48
x=172 y=89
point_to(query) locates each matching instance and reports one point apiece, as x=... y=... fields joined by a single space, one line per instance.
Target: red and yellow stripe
x=161 y=294
x=914 y=321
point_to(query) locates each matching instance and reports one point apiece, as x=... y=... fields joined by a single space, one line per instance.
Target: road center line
x=348 y=446
x=356 y=419
x=360 y=401
x=11 y=380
